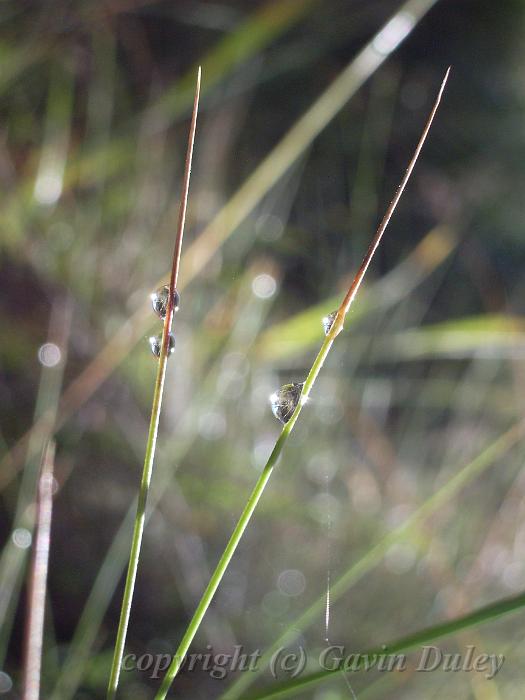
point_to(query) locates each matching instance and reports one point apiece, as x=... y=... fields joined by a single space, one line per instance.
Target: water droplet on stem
x=284 y=401
x=328 y=322
x=159 y=301
x=155 y=343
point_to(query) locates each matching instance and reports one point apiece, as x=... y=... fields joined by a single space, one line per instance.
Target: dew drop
x=328 y=322
x=155 y=343
x=284 y=401
x=159 y=301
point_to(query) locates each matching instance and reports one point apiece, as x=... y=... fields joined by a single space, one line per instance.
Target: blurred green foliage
x=94 y=104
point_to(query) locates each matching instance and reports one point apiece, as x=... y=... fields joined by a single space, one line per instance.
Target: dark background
x=94 y=106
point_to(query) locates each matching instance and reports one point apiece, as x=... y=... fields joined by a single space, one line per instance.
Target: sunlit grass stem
x=241 y=204
x=288 y=427
x=138 y=529
x=36 y=599
x=463 y=476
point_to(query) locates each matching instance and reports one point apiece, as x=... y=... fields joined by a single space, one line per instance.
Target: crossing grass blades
x=287 y=404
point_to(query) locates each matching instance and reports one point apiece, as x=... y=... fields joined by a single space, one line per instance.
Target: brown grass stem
x=264 y=477
x=138 y=529
x=34 y=632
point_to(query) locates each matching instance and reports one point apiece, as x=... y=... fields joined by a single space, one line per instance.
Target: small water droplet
x=285 y=400
x=328 y=322
x=159 y=301
x=155 y=343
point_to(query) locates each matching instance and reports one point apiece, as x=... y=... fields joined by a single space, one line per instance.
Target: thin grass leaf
x=492 y=452
x=241 y=204
x=34 y=633
x=247 y=323
x=298 y=333
x=489 y=335
x=258 y=490
x=13 y=558
x=411 y=641
x=155 y=417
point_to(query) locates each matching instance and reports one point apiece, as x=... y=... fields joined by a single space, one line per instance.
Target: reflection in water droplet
x=155 y=343
x=284 y=401
x=328 y=321
x=159 y=301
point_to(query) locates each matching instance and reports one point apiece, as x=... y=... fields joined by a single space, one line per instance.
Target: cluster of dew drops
x=159 y=302
x=285 y=400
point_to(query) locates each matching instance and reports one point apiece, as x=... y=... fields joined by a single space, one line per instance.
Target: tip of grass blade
x=149 y=456
x=337 y=326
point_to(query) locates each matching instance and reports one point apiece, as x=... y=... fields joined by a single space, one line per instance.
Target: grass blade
x=155 y=416
x=288 y=338
x=38 y=578
x=248 y=320
x=295 y=142
x=493 y=451
x=411 y=641
x=13 y=558
x=288 y=427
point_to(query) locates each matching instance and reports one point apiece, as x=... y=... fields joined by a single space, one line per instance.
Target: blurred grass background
x=94 y=102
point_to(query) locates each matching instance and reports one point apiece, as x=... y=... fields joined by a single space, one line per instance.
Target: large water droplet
x=328 y=322
x=155 y=343
x=159 y=301
x=284 y=401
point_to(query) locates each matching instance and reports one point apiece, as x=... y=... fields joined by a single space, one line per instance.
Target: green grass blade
x=411 y=641
x=494 y=451
x=298 y=333
x=140 y=518
x=247 y=324
x=491 y=335
x=331 y=334
x=13 y=558
x=295 y=142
